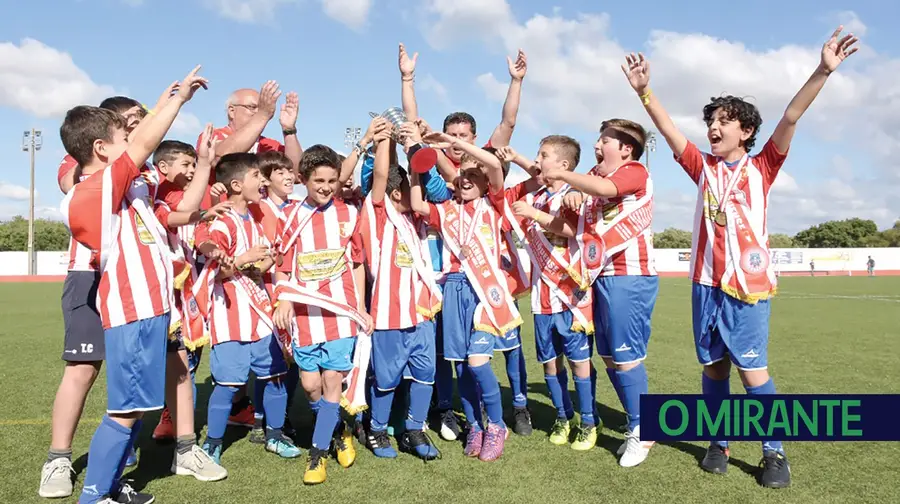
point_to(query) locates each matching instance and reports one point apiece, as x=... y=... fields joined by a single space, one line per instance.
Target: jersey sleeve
x=629 y=179
x=380 y=219
x=269 y=145
x=65 y=167
x=356 y=243
x=220 y=236
x=691 y=161
x=162 y=213
x=434 y=218
x=365 y=174
x=769 y=162
x=124 y=172
x=516 y=192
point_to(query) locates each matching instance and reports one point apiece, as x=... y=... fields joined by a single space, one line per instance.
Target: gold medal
x=721 y=219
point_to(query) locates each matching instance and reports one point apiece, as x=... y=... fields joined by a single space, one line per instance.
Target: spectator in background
x=870 y=266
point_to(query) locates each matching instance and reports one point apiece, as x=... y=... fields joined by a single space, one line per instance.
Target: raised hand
x=164 y=97
x=424 y=128
x=191 y=83
x=409 y=131
x=506 y=154
x=519 y=67
x=384 y=133
x=289 y=110
x=377 y=124
x=268 y=98
x=439 y=140
x=637 y=69
x=523 y=210
x=407 y=65
x=573 y=200
x=205 y=142
x=217 y=190
x=835 y=51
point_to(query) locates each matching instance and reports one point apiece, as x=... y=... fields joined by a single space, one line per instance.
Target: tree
x=49 y=235
x=846 y=233
x=672 y=238
x=780 y=240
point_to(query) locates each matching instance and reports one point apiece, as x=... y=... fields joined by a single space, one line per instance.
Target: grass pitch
x=828 y=335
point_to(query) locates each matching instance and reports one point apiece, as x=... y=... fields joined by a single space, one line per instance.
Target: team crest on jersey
x=754 y=260
x=494 y=296
x=321 y=265
x=193 y=309
x=403 y=259
x=143 y=232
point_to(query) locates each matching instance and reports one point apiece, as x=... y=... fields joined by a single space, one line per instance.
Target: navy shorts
x=231 y=362
x=461 y=341
x=725 y=325
x=553 y=336
x=84 y=340
x=403 y=352
x=623 y=307
x=136 y=365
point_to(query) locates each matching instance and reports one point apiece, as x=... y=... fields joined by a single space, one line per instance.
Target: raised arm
x=407 y=89
x=503 y=132
x=416 y=201
x=509 y=155
x=834 y=52
x=243 y=139
x=489 y=160
x=288 y=119
x=637 y=70
x=588 y=184
x=375 y=126
x=149 y=137
x=382 y=164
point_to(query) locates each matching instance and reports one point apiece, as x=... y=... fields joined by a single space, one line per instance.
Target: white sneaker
x=199 y=464
x=56 y=479
x=635 y=451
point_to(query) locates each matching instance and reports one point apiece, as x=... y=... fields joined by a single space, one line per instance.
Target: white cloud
x=575 y=80
x=785 y=183
x=352 y=13
x=247 y=11
x=430 y=84
x=515 y=176
x=14 y=192
x=187 y=124
x=8 y=211
x=44 y=81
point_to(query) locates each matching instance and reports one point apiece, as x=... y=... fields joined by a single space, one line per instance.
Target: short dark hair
x=565 y=146
x=396 y=178
x=736 y=109
x=459 y=118
x=120 y=104
x=627 y=132
x=273 y=160
x=316 y=156
x=168 y=150
x=83 y=126
x=234 y=166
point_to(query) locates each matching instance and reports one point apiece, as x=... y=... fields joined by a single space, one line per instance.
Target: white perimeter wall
x=667 y=260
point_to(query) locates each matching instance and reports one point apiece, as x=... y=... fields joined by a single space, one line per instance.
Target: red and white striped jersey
x=396 y=286
x=543 y=301
x=490 y=226
x=231 y=316
x=633 y=182
x=321 y=259
x=273 y=218
x=112 y=212
x=708 y=248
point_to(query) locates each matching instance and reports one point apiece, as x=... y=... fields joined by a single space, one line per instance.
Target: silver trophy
x=421 y=157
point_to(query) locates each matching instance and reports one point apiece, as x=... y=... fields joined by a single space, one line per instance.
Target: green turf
x=828 y=335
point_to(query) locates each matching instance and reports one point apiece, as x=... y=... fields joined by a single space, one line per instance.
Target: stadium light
x=351 y=136
x=651 y=147
x=31 y=142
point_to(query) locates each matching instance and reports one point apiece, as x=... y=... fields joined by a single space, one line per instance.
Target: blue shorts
x=399 y=352
x=553 y=336
x=136 y=365
x=334 y=355
x=230 y=362
x=723 y=324
x=623 y=307
x=458 y=316
x=510 y=341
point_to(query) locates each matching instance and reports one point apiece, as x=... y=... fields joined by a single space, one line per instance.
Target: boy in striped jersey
x=560 y=302
x=733 y=279
x=240 y=320
x=405 y=300
x=111 y=212
x=620 y=190
x=320 y=294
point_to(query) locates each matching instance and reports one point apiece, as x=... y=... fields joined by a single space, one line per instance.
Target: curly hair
x=735 y=109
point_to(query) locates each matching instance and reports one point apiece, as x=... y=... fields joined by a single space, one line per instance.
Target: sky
x=341 y=57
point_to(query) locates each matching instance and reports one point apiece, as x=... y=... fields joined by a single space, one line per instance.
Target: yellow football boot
x=315 y=467
x=559 y=434
x=343 y=446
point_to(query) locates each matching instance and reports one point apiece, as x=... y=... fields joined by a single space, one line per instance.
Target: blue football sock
x=419 y=400
x=594 y=393
x=108 y=448
x=218 y=410
x=614 y=379
x=716 y=388
x=468 y=395
x=767 y=388
x=259 y=397
x=634 y=384
x=443 y=383
x=326 y=422
x=382 y=401
x=135 y=431
x=490 y=392
x=291 y=380
x=563 y=378
x=314 y=406
x=556 y=394
x=274 y=403
x=585 y=401
x=518 y=381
